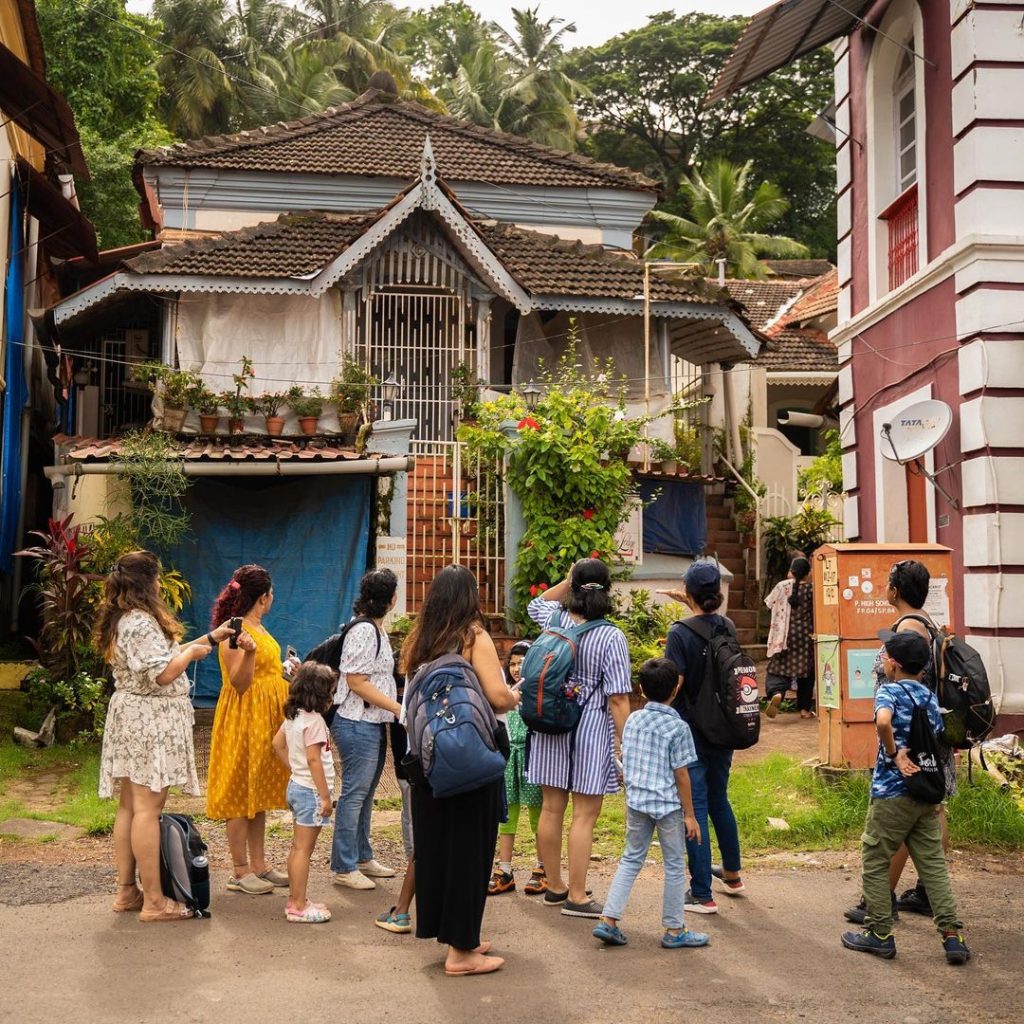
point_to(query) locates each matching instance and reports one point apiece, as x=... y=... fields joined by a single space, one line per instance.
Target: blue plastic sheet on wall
x=675 y=523
x=16 y=394
x=310 y=533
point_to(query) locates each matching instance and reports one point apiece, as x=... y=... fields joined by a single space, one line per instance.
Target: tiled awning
x=782 y=33
x=248 y=449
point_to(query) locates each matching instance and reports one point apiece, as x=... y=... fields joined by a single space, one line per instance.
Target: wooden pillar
x=348 y=339
x=483 y=338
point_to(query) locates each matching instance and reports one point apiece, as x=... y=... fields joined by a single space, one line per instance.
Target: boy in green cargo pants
x=894 y=817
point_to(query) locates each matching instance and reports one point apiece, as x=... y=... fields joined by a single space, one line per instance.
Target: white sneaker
x=374 y=869
x=354 y=880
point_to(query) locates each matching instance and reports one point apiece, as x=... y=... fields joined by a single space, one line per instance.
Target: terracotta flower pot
x=236 y=426
x=275 y=425
x=174 y=420
x=347 y=422
x=209 y=424
x=308 y=424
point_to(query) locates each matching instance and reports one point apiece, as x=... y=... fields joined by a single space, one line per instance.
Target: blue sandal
x=684 y=939
x=401 y=924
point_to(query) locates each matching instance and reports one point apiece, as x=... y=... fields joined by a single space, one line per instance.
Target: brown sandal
x=172 y=911
x=134 y=904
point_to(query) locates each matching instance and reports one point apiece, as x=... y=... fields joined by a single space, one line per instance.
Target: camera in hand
x=236 y=625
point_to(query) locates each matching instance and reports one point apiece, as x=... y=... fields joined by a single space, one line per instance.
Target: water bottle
x=200 y=876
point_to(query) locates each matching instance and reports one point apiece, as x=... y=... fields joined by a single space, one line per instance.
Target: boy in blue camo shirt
x=657 y=750
x=894 y=817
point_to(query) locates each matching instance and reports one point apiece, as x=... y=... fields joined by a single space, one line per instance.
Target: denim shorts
x=305 y=805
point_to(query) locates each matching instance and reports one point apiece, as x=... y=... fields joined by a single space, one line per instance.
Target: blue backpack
x=550 y=700
x=452 y=729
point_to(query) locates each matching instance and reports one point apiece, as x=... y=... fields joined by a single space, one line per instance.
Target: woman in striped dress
x=580 y=763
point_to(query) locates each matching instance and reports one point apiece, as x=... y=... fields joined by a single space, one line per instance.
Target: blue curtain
x=16 y=394
x=310 y=533
x=676 y=522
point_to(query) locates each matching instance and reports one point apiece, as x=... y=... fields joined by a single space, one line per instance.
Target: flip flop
x=494 y=963
x=484 y=948
x=172 y=911
x=132 y=905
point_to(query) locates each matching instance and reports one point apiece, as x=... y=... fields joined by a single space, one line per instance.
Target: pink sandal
x=311 y=913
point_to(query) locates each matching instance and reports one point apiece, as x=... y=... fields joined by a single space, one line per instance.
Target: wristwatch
x=211 y=641
x=889 y=759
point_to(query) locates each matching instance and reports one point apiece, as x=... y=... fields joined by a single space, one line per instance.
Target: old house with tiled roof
x=422 y=247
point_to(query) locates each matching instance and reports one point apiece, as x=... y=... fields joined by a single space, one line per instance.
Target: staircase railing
x=757 y=512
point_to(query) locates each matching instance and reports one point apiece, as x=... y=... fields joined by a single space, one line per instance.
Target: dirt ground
x=775 y=954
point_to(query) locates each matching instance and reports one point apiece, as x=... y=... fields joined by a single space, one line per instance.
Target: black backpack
x=929 y=784
x=725 y=711
x=329 y=653
x=184 y=868
x=962 y=689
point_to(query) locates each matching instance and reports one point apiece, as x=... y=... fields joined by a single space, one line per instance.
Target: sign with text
x=391 y=555
x=630 y=535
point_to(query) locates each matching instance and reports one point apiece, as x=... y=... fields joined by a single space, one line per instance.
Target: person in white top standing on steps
x=365 y=705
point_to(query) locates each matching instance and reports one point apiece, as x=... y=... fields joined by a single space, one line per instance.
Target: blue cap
x=703 y=577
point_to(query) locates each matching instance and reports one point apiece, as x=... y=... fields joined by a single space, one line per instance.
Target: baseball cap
x=908 y=649
x=703 y=577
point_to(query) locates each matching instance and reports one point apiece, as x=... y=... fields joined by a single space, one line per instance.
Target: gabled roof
x=379 y=136
x=798 y=269
x=821 y=299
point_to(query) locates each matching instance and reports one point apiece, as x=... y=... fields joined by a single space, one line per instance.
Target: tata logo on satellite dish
x=915 y=430
x=922 y=424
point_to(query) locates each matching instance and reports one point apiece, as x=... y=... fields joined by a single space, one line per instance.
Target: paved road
x=775 y=957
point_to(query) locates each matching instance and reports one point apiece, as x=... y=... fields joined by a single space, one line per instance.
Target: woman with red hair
x=245 y=779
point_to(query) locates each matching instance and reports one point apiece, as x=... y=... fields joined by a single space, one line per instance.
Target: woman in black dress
x=454 y=836
x=795 y=663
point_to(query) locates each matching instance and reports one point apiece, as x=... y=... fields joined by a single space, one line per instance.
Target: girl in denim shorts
x=303 y=743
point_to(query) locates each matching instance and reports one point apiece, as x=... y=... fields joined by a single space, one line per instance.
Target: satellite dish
x=915 y=430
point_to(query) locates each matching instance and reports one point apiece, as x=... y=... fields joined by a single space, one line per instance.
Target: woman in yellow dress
x=245 y=778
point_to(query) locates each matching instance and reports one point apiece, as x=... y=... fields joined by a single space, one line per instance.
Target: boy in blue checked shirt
x=894 y=817
x=657 y=748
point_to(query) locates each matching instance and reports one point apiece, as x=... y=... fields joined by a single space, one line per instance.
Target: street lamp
x=389 y=395
x=531 y=395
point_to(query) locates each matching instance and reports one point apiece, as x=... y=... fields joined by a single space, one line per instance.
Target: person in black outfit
x=454 y=836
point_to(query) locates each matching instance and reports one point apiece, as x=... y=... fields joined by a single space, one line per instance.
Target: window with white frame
x=904 y=121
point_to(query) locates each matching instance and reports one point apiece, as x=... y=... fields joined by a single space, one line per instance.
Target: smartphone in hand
x=289 y=654
x=236 y=625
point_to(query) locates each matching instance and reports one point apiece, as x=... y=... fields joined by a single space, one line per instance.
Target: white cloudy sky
x=596 y=20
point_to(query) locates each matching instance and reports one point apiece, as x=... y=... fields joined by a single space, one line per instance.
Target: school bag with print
x=550 y=701
x=725 y=710
x=184 y=868
x=929 y=784
x=452 y=729
x=962 y=688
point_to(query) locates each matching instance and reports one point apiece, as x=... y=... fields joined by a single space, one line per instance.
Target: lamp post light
x=389 y=395
x=531 y=395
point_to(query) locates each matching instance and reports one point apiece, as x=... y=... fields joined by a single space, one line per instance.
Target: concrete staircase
x=724 y=542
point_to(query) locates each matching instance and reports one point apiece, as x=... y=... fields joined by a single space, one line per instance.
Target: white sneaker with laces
x=374 y=869
x=354 y=880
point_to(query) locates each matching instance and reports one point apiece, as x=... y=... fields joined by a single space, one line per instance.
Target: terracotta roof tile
x=764 y=300
x=799 y=268
x=372 y=137
x=820 y=299
x=795 y=351
x=246 y=449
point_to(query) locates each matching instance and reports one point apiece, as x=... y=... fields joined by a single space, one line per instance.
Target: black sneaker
x=859 y=913
x=868 y=942
x=591 y=908
x=956 y=949
x=915 y=901
x=553 y=899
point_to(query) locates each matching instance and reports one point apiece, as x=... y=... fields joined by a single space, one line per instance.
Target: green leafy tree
x=439 y=40
x=646 y=109
x=727 y=221
x=103 y=60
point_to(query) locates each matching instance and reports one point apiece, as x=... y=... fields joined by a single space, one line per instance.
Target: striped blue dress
x=602 y=664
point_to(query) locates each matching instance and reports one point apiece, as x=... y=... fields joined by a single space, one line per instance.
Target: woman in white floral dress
x=147 y=742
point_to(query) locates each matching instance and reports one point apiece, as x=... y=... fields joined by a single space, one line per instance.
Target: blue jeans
x=709 y=781
x=362 y=749
x=672 y=836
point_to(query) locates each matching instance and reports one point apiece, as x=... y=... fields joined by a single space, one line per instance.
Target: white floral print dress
x=148 y=734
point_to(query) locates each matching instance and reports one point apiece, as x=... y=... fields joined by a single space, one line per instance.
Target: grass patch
x=982 y=815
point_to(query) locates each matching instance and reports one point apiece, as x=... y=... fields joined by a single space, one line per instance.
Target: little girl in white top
x=304 y=745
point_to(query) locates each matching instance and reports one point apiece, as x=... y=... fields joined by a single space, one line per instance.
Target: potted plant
x=235 y=402
x=270 y=405
x=465 y=392
x=664 y=454
x=175 y=388
x=350 y=390
x=207 y=404
x=306 y=407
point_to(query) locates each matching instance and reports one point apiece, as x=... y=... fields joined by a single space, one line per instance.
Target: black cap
x=908 y=649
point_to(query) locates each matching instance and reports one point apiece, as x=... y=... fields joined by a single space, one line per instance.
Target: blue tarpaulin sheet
x=310 y=534
x=16 y=393
x=676 y=522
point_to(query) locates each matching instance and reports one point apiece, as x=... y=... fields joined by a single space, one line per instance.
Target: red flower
x=542 y=587
x=528 y=423
x=533 y=590
x=588 y=513
x=595 y=554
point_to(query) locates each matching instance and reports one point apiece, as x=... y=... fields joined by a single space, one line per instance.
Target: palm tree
x=725 y=223
x=198 y=91
x=308 y=79
x=540 y=99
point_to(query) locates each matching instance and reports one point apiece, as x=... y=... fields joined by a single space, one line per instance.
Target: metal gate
x=456 y=515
